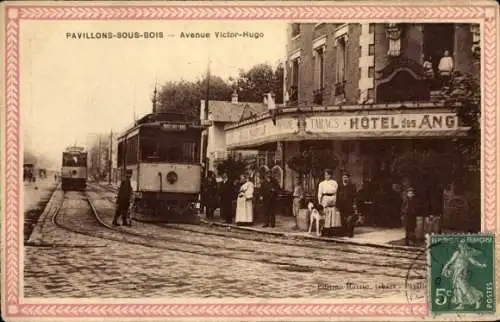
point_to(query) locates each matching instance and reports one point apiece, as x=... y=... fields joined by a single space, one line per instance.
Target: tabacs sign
x=383 y=123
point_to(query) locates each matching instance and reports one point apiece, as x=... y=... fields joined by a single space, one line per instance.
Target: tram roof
x=157 y=119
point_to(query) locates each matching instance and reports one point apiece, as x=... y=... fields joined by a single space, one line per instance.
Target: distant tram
x=162 y=150
x=74 y=169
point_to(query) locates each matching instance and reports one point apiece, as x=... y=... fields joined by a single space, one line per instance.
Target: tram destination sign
x=383 y=123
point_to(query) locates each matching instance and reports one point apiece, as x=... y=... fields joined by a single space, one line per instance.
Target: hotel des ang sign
x=419 y=124
x=346 y=126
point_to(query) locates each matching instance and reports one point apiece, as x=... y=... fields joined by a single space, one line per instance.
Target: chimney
x=234 y=97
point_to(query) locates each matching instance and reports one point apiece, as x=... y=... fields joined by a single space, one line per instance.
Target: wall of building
x=412 y=42
x=352 y=70
x=463 y=55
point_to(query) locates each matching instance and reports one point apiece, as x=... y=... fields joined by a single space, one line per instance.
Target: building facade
x=368 y=93
x=220 y=114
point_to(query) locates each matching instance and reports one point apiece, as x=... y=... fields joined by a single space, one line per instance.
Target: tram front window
x=74 y=160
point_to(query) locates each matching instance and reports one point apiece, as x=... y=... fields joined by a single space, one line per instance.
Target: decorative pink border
x=351 y=13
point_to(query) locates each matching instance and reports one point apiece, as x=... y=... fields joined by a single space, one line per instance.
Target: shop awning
x=346 y=126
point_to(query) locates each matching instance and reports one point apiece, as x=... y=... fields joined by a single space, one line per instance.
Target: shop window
x=295 y=29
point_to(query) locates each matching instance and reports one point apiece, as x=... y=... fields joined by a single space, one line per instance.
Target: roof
x=224 y=111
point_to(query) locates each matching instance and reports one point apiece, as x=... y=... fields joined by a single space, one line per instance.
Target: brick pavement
x=202 y=261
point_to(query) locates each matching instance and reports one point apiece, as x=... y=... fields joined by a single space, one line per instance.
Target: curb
x=322 y=239
x=36 y=234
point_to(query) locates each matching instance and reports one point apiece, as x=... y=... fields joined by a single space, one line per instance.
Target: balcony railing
x=318 y=96
x=340 y=88
x=294 y=96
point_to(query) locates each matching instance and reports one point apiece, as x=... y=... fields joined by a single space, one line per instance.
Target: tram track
x=218 y=251
x=398 y=253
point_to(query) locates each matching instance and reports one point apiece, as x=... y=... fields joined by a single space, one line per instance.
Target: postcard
x=250 y=161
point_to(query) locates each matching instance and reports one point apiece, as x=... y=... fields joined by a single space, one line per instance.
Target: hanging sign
x=383 y=123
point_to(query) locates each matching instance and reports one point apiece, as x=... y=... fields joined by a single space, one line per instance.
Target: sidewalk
x=36 y=197
x=36 y=192
x=369 y=236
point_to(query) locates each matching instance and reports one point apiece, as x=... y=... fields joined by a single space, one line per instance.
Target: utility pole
x=154 y=99
x=207 y=98
x=110 y=156
x=99 y=159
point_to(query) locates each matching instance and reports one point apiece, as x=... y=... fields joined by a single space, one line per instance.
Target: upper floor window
x=319 y=68
x=295 y=29
x=294 y=88
x=340 y=60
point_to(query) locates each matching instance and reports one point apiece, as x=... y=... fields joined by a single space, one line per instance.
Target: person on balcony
x=445 y=68
x=244 y=203
x=327 y=197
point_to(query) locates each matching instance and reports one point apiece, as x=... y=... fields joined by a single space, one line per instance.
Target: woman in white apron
x=244 y=203
x=327 y=197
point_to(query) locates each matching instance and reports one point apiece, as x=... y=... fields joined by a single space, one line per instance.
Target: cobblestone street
x=88 y=259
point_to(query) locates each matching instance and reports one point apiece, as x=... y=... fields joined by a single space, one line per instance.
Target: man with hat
x=269 y=193
x=123 y=200
x=409 y=213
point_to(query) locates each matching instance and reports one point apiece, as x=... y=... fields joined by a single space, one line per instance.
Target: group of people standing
x=236 y=198
x=338 y=203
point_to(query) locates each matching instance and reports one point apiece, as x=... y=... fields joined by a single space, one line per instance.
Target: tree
x=185 y=96
x=233 y=168
x=259 y=80
x=430 y=170
x=313 y=162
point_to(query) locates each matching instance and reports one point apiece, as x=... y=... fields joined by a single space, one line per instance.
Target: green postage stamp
x=461 y=273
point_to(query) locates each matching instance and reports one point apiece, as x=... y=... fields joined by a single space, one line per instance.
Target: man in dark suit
x=123 y=200
x=409 y=212
x=269 y=193
x=226 y=195
x=346 y=204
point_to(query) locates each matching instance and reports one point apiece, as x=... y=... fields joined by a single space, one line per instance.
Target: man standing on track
x=123 y=201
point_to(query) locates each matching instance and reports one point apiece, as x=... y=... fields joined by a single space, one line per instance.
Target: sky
x=73 y=89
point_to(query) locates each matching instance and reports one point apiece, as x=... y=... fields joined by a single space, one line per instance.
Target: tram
x=74 y=169
x=162 y=150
